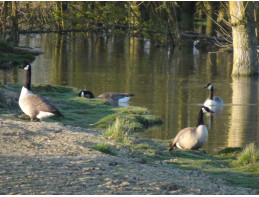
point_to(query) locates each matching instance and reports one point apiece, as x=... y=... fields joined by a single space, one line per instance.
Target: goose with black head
x=212 y=100
x=192 y=138
x=109 y=96
x=34 y=105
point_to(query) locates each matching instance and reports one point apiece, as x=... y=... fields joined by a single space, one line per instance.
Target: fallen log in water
x=33 y=51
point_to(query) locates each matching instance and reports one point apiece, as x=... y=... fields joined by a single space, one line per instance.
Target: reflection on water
x=217 y=109
x=243 y=118
x=168 y=83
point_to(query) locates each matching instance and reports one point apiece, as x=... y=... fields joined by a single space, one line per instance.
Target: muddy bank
x=51 y=158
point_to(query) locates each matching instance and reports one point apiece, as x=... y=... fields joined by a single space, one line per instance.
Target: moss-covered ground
x=10 y=57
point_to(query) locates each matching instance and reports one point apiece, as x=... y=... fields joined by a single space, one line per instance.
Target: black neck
x=211 y=93
x=200 y=118
x=27 y=83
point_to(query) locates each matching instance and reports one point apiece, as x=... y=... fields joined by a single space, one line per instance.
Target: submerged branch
x=197 y=36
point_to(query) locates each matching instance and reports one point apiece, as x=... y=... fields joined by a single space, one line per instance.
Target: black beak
x=208 y=109
x=19 y=66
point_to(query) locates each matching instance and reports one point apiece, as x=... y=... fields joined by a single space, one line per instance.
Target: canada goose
x=212 y=100
x=34 y=105
x=109 y=96
x=192 y=138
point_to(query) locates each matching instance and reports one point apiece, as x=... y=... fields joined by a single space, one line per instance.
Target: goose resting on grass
x=109 y=96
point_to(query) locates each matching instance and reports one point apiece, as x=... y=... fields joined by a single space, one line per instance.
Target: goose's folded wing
x=114 y=95
x=42 y=104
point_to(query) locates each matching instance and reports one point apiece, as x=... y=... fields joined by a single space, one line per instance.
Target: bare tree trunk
x=60 y=14
x=244 y=39
x=14 y=30
x=256 y=11
x=61 y=7
x=4 y=15
x=187 y=12
x=211 y=10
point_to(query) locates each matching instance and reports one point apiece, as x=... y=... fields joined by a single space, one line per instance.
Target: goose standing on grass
x=212 y=100
x=192 y=138
x=109 y=96
x=34 y=105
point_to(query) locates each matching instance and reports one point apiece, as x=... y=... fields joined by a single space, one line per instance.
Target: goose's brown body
x=114 y=96
x=34 y=105
x=192 y=138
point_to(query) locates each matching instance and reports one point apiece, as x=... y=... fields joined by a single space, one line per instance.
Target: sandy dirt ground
x=51 y=158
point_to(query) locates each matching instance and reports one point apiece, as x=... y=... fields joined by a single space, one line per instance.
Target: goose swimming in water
x=34 y=105
x=192 y=138
x=109 y=96
x=212 y=100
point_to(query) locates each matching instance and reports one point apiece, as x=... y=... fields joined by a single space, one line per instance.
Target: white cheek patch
x=204 y=110
x=27 y=67
x=210 y=86
x=82 y=94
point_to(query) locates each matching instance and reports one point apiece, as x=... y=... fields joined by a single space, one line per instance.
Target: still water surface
x=168 y=83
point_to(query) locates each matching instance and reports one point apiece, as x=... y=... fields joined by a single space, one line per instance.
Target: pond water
x=169 y=83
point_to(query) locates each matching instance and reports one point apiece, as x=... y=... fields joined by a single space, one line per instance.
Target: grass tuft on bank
x=139 y=117
x=250 y=155
x=248 y=159
x=121 y=129
x=104 y=149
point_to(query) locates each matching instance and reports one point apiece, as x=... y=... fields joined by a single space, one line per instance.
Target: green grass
x=248 y=160
x=156 y=152
x=139 y=117
x=9 y=57
x=104 y=149
x=230 y=152
x=86 y=113
x=239 y=166
x=250 y=155
x=4 y=47
x=221 y=166
x=120 y=130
